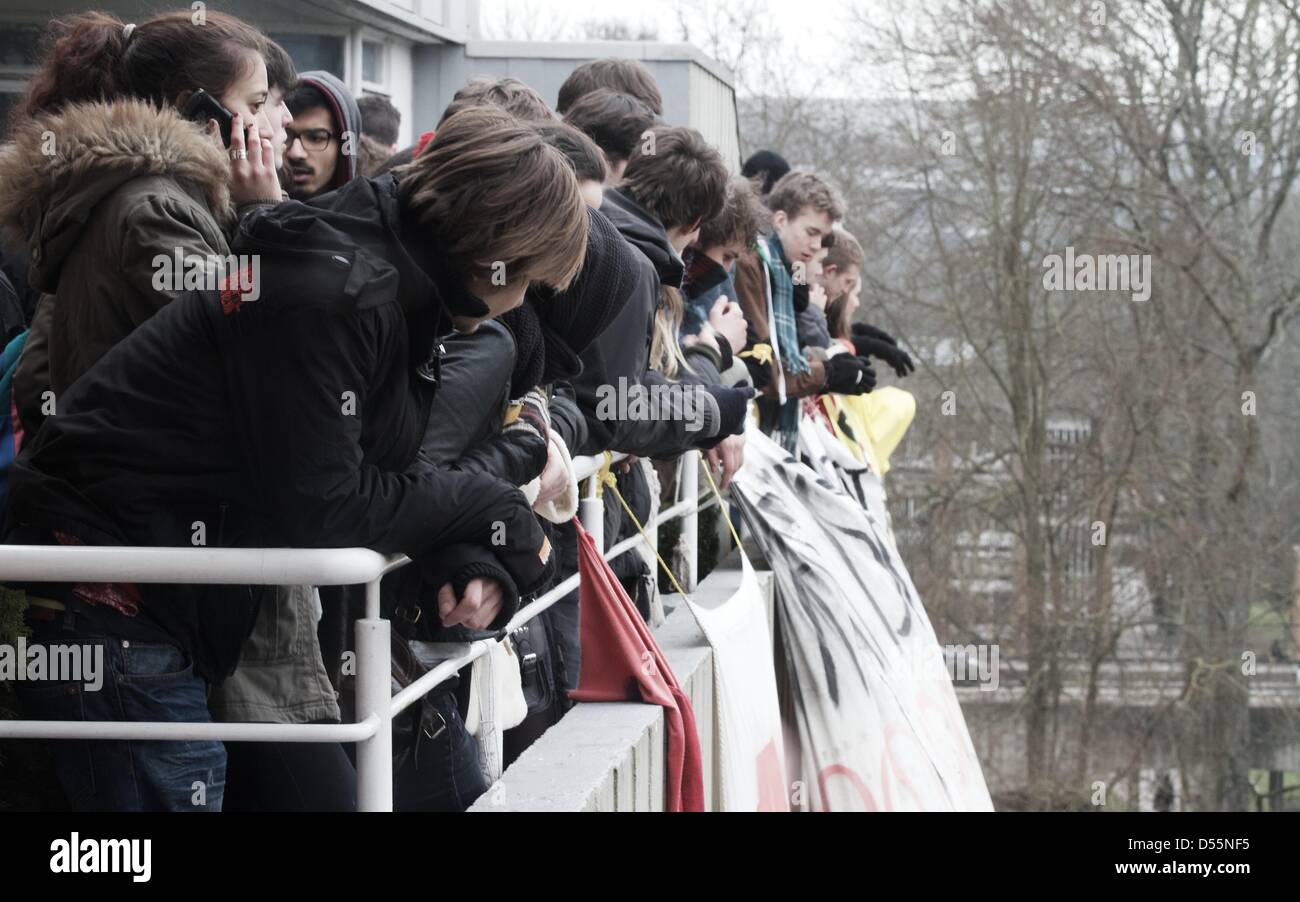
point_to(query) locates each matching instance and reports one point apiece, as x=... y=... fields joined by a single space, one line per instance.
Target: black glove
x=872 y=332
x=849 y=375
x=760 y=374
x=733 y=405
x=869 y=341
x=728 y=356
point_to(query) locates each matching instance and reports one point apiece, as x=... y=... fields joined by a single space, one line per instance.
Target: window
x=373 y=60
x=8 y=100
x=314 y=51
x=19 y=46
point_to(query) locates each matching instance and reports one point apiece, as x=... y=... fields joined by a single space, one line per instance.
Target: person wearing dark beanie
x=768 y=166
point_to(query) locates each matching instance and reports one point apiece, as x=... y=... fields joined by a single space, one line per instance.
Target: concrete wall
x=610 y=756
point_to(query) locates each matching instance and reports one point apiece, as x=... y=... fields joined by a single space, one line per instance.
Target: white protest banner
x=750 y=760
x=878 y=722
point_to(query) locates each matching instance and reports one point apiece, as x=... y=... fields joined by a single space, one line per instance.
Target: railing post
x=374 y=698
x=652 y=529
x=591 y=511
x=690 y=491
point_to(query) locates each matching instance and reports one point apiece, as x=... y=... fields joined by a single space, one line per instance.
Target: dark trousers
x=443 y=774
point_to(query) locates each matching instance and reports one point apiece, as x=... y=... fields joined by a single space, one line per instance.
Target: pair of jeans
x=447 y=775
x=146 y=677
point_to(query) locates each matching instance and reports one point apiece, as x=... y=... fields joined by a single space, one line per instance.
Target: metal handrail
x=376 y=704
x=194 y=566
x=152 y=731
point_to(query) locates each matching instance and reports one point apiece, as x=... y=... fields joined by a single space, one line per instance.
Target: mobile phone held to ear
x=202 y=106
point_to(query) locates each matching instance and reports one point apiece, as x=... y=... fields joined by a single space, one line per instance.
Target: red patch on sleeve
x=232 y=296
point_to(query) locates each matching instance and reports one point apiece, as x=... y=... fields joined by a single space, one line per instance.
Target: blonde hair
x=665 y=352
x=845 y=252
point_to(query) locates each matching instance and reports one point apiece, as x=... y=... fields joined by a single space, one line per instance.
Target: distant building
x=415 y=52
x=698 y=91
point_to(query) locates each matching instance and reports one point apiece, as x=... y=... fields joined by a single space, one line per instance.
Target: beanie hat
x=771 y=164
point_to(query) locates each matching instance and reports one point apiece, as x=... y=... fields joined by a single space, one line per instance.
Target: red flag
x=622 y=662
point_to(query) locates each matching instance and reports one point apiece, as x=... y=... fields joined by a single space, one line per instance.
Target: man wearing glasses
x=322 y=139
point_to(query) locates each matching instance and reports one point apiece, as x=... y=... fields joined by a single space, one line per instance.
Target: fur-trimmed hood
x=57 y=168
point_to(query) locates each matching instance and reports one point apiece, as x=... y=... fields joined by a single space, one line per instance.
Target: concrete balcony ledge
x=610 y=756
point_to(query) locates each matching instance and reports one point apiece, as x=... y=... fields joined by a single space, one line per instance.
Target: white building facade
x=415 y=52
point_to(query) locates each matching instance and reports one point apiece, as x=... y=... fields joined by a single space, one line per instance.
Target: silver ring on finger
x=239 y=155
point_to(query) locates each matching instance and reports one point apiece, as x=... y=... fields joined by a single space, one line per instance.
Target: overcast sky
x=812 y=31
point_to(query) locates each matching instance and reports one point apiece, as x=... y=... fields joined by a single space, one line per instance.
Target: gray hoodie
x=347 y=115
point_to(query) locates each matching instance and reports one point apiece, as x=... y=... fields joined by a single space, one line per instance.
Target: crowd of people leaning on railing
x=238 y=315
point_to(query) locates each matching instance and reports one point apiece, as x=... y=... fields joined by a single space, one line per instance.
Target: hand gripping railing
x=376 y=705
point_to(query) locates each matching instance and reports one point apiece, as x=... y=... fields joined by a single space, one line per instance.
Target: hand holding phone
x=202 y=107
x=252 y=159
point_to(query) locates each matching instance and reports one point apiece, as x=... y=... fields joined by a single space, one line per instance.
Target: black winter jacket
x=622 y=351
x=289 y=420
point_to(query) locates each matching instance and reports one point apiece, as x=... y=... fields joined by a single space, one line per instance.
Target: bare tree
x=1013 y=130
x=523 y=20
x=1202 y=99
x=619 y=30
